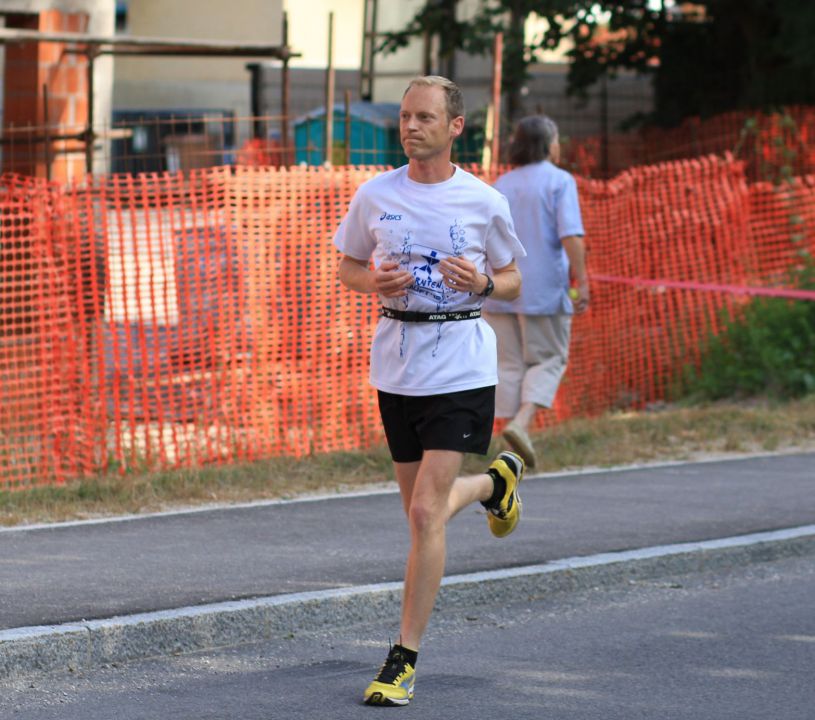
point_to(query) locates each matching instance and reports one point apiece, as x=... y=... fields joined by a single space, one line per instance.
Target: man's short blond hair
x=452 y=92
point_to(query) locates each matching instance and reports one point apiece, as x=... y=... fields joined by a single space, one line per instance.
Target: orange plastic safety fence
x=679 y=221
x=225 y=335
x=782 y=226
x=169 y=320
x=772 y=145
x=42 y=432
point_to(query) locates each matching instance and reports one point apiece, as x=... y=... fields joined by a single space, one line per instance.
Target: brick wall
x=30 y=67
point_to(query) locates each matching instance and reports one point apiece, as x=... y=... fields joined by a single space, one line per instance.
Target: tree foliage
x=717 y=55
x=707 y=57
x=477 y=34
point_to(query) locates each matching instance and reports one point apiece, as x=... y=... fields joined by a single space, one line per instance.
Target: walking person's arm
x=576 y=252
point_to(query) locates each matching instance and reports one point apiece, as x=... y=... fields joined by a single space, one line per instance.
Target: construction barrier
x=171 y=320
x=773 y=146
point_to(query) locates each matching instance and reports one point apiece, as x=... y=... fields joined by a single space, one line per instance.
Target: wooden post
x=347 y=127
x=329 y=94
x=604 y=127
x=49 y=157
x=486 y=151
x=492 y=124
x=497 y=78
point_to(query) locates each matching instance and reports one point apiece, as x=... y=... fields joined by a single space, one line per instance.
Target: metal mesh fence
x=773 y=146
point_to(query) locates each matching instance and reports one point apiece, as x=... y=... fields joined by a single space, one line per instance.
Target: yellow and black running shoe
x=504 y=515
x=394 y=683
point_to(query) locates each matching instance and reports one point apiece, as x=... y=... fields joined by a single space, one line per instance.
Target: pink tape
x=709 y=287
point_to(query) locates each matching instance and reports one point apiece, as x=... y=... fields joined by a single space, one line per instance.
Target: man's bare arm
x=507 y=282
x=386 y=280
x=462 y=275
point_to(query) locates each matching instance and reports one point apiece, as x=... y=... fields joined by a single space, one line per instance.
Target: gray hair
x=532 y=140
x=452 y=92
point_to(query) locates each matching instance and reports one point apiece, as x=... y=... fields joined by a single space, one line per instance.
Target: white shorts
x=533 y=351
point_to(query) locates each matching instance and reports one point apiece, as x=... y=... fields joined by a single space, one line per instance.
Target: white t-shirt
x=416 y=225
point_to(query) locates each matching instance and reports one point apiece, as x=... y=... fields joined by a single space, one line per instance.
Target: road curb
x=83 y=645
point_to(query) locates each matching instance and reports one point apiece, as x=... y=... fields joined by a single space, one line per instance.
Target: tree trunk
x=515 y=61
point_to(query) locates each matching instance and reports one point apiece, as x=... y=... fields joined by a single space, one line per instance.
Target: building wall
x=308 y=32
x=194 y=83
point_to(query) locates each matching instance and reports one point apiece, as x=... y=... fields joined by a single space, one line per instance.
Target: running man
x=431 y=229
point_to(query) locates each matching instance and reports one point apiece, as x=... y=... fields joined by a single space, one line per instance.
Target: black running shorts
x=460 y=421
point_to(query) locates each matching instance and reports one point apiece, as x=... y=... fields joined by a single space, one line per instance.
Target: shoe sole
x=378 y=698
x=517 y=499
x=521 y=446
x=502 y=534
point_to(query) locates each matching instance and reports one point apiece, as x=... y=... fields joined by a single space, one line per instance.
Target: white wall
x=308 y=31
x=188 y=83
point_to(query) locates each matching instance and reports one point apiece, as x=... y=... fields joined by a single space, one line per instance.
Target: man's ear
x=554 y=152
x=457 y=126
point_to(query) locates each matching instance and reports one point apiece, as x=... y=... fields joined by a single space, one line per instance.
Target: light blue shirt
x=545 y=208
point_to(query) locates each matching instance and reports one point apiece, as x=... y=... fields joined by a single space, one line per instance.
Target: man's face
x=424 y=128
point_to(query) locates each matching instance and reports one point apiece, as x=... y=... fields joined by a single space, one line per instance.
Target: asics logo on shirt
x=388 y=216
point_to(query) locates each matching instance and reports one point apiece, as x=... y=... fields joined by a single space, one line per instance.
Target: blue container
x=374 y=133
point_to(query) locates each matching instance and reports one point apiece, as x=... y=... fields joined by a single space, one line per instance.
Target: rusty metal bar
x=148 y=46
x=285 y=82
x=22 y=135
x=90 y=138
x=48 y=151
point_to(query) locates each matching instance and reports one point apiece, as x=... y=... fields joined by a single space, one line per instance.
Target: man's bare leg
x=516 y=433
x=431 y=494
x=525 y=415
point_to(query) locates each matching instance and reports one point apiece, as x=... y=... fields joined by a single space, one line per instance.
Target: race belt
x=411 y=316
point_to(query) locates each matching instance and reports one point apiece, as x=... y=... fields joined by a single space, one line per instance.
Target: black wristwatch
x=490 y=287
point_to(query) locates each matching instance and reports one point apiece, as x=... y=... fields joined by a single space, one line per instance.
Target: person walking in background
x=432 y=229
x=534 y=330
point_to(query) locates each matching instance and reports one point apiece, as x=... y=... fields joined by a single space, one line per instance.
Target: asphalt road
x=739 y=644
x=86 y=571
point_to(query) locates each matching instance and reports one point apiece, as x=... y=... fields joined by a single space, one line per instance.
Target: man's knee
x=427 y=516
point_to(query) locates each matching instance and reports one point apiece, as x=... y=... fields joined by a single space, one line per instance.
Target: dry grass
x=671 y=433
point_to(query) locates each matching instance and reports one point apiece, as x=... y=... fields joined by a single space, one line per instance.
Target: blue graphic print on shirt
x=422 y=262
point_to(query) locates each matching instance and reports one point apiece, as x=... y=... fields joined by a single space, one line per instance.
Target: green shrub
x=767 y=350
